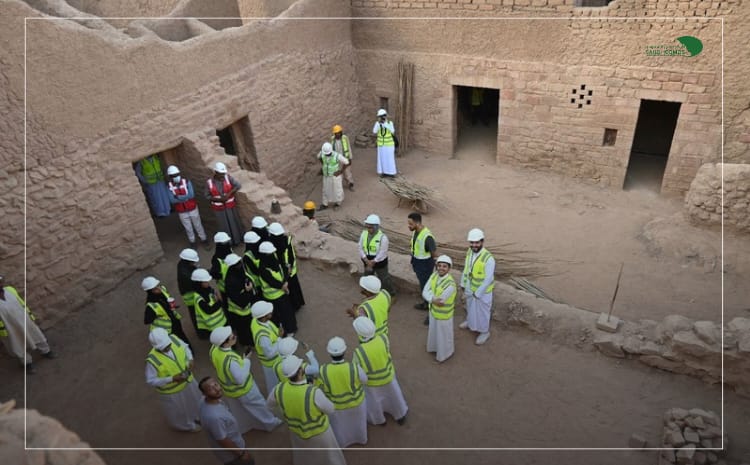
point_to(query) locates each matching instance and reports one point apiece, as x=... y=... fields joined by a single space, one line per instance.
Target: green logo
x=689 y=46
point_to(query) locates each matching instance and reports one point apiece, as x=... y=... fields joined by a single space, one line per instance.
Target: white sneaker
x=482 y=338
x=464 y=325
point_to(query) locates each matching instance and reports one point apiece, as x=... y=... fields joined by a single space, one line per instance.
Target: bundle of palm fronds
x=423 y=197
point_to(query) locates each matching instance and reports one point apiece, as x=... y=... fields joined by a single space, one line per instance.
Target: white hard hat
x=200 y=275
x=220 y=167
x=266 y=247
x=370 y=283
x=382 y=112
x=259 y=222
x=220 y=335
x=336 y=346
x=221 y=237
x=149 y=282
x=290 y=365
x=327 y=148
x=189 y=255
x=372 y=219
x=475 y=234
x=364 y=327
x=287 y=346
x=232 y=259
x=172 y=170
x=261 y=308
x=251 y=237
x=276 y=229
x=444 y=259
x=159 y=338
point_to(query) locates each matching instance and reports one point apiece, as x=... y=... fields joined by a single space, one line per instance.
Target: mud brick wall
x=703 y=201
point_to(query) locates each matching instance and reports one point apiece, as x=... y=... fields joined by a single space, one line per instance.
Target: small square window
x=610 y=136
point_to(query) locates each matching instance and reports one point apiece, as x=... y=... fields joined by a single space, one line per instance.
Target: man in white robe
x=384 y=132
x=333 y=167
x=169 y=369
x=477 y=284
x=440 y=293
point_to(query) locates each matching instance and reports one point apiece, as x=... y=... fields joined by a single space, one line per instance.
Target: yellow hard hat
x=337 y=128
x=309 y=205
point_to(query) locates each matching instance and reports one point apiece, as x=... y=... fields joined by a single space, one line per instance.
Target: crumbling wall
x=703 y=202
x=264 y=8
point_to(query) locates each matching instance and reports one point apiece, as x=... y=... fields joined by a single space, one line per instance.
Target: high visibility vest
x=330 y=163
x=438 y=285
x=297 y=402
x=340 y=383
x=385 y=136
x=417 y=244
x=223 y=270
x=162 y=319
x=476 y=272
x=376 y=309
x=218 y=206
x=182 y=189
x=280 y=373
x=236 y=309
x=254 y=278
x=208 y=321
x=270 y=292
x=189 y=298
x=167 y=367
x=11 y=290
x=370 y=245
x=151 y=169
x=346 y=151
x=271 y=331
x=375 y=358
x=221 y=359
x=290 y=250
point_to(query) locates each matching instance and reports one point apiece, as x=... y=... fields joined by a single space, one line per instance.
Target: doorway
x=477 y=112
x=652 y=141
x=237 y=140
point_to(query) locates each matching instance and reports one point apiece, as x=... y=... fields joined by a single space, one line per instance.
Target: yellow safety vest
x=293 y=270
x=221 y=359
x=330 y=163
x=374 y=357
x=297 y=402
x=438 y=285
x=376 y=309
x=385 y=136
x=270 y=330
x=11 y=290
x=208 y=321
x=370 y=245
x=475 y=272
x=270 y=292
x=280 y=373
x=340 y=383
x=189 y=298
x=162 y=319
x=221 y=282
x=417 y=244
x=346 y=150
x=248 y=273
x=167 y=367
x=151 y=169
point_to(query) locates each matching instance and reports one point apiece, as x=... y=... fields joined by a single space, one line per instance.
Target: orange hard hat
x=337 y=128
x=309 y=205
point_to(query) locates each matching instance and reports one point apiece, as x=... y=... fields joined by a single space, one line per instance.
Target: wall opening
x=652 y=141
x=384 y=104
x=237 y=140
x=477 y=117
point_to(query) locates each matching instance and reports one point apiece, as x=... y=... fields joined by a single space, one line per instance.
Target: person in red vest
x=220 y=190
x=182 y=196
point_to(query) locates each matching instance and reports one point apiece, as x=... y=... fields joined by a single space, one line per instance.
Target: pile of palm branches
x=423 y=197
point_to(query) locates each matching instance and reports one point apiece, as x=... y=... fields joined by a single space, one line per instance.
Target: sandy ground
x=518 y=391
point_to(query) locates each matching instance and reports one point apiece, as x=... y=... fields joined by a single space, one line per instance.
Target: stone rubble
x=687 y=436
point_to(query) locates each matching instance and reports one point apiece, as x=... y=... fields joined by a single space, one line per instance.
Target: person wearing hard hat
x=274 y=284
x=18 y=329
x=266 y=335
x=220 y=190
x=221 y=426
x=240 y=295
x=188 y=263
x=160 y=309
x=305 y=409
x=343 y=383
x=477 y=283
x=288 y=256
x=440 y=292
x=340 y=143
x=251 y=258
x=333 y=166
x=169 y=367
x=376 y=306
x=423 y=253
x=242 y=394
x=308 y=209
x=182 y=196
x=259 y=226
x=382 y=391
x=373 y=251
x=218 y=266
x=288 y=346
x=386 y=141
x=209 y=311
x=149 y=173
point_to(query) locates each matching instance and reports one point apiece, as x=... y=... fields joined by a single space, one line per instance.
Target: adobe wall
x=703 y=202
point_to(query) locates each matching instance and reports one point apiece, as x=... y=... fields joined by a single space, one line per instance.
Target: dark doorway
x=237 y=140
x=652 y=140
x=477 y=111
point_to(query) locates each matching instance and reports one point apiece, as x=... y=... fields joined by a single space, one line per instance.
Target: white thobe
x=350 y=425
x=332 y=456
x=182 y=409
x=14 y=315
x=440 y=332
x=269 y=374
x=387 y=153
x=385 y=399
x=250 y=409
x=479 y=303
x=333 y=188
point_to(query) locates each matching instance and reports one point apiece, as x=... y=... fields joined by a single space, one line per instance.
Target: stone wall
x=703 y=201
